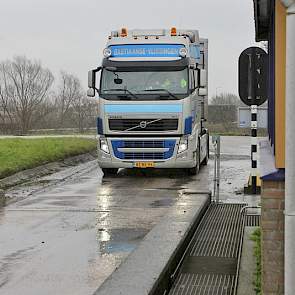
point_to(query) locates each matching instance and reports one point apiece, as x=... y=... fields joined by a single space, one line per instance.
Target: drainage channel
x=211 y=261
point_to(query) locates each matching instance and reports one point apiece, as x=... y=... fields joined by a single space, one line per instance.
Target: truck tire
x=205 y=161
x=195 y=170
x=109 y=171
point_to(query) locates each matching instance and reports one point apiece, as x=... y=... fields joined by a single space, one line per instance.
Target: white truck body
x=152 y=100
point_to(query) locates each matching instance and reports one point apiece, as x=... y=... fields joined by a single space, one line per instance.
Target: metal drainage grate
x=210 y=266
x=252 y=220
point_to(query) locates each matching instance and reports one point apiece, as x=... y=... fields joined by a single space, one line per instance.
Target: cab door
x=194 y=96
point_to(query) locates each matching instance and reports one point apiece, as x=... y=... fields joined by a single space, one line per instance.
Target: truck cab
x=152 y=98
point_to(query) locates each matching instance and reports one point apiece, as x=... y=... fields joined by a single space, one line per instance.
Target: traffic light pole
x=254 y=149
x=253 y=83
x=252 y=96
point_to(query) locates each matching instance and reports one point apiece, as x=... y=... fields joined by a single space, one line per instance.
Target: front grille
x=144 y=156
x=143 y=144
x=148 y=124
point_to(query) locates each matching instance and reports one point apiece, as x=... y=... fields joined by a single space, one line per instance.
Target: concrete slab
x=247 y=266
x=142 y=270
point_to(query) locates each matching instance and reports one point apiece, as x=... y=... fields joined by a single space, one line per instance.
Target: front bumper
x=186 y=159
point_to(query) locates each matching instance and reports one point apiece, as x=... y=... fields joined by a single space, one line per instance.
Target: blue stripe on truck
x=143 y=108
x=188 y=125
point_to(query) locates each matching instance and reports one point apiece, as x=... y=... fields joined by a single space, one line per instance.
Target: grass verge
x=256 y=237
x=19 y=154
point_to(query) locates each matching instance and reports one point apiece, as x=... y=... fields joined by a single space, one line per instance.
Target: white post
x=290 y=153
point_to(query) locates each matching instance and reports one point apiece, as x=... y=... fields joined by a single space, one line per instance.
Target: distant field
x=231 y=129
x=19 y=154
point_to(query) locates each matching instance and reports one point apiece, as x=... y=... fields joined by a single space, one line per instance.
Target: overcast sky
x=70 y=35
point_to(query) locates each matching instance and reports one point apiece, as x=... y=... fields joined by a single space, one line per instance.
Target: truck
x=152 y=100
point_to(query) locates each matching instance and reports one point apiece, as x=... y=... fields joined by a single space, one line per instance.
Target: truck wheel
x=205 y=161
x=195 y=170
x=109 y=171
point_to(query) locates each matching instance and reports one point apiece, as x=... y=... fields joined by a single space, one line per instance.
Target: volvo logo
x=142 y=124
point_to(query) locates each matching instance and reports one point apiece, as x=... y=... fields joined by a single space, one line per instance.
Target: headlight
x=183 y=52
x=183 y=145
x=107 y=52
x=103 y=145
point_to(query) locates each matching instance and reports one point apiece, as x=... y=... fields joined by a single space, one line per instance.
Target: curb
x=43 y=170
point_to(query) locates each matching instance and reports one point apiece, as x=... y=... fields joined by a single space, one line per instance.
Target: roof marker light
x=107 y=52
x=173 y=31
x=123 y=32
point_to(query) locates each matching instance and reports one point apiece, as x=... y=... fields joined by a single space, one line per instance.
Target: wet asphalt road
x=68 y=237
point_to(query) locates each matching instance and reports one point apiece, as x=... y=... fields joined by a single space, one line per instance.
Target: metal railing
x=216 y=178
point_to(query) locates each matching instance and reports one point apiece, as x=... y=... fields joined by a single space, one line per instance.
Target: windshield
x=144 y=84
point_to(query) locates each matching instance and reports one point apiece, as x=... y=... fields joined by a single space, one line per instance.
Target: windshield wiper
x=122 y=89
x=162 y=89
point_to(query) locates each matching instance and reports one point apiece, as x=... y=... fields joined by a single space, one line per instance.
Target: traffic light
x=253 y=76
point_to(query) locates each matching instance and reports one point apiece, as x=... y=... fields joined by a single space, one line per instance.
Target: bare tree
x=69 y=91
x=42 y=114
x=226 y=99
x=84 y=113
x=24 y=86
x=6 y=115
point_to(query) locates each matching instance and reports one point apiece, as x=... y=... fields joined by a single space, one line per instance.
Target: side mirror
x=91 y=79
x=118 y=81
x=91 y=92
x=203 y=78
x=202 y=91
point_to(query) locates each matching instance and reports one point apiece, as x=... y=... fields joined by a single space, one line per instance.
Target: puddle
x=2 y=201
x=162 y=203
x=43 y=181
x=3 y=198
x=63 y=203
x=119 y=239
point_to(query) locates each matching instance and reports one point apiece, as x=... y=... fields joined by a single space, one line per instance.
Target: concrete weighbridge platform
x=148 y=268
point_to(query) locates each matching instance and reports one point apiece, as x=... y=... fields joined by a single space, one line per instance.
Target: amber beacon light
x=173 y=31
x=123 y=32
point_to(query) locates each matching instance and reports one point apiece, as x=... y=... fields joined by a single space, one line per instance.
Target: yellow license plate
x=144 y=164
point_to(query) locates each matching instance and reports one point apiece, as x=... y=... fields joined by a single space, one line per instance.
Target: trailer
x=153 y=100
